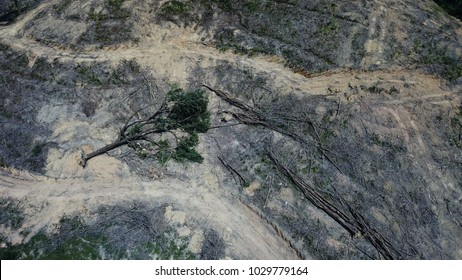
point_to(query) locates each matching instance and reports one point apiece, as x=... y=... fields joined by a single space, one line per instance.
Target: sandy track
x=246 y=235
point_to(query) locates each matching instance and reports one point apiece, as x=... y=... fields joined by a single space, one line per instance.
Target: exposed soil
x=391 y=126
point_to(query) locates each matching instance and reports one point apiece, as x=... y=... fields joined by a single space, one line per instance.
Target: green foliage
x=433 y=55
x=98 y=75
x=10 y=215
x=330 y=28
x=456 y=125
x=453 y=70
x=37 y=149
x=452 y=7
x=170 y=250
x=174 y=8
x=88 y=74
x=114 y=12
x=110 y=25
x=189 y=110
x=76 y=249
x=115 y=5
x=132 y=65
x=164 y=152
x=61 y=6
x=185 y=149
x=186 y=111
x=134 y=130
x=4 y=48
x=225 y=5
x=110 y=237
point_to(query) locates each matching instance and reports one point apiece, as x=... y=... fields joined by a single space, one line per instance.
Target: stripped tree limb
x=353 y=222
x=252 y=116
x=233 y=171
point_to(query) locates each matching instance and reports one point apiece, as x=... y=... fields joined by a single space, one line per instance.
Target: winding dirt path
x=200 y=194
x=245 y=235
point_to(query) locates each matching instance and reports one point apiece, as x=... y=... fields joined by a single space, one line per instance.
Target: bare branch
x=351 y=221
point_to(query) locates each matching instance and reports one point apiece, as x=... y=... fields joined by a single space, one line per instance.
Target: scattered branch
x=351 y=221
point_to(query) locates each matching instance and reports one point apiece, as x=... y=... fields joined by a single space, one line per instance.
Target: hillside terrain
x=335 y=130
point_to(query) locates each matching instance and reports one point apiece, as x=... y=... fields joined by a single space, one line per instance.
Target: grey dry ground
x=389 y=129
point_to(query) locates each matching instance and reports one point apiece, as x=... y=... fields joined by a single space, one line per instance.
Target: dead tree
x=352 y=221
x=252 y=116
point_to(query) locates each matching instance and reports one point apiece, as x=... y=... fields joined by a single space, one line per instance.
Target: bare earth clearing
x=395 y=103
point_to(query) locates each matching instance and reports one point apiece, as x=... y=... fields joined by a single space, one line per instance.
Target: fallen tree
x=178 y=112
x=351 y=220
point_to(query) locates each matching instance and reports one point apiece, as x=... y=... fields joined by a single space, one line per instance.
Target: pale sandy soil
x=198 y=192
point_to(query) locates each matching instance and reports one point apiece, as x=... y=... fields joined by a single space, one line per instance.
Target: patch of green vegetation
x=88 y=74
x=189 y=110
x=42 y=70
x=37 y=149
x=185 y=149
x=77 y=249
x=225 y=5
x=452 y=7
x=456 y=124
x=97 y=75
x=13 y=61
x=164 y=152
x=4 y=48
x=136 y=129
x=330 y=28
x=115 y=5
x=42 y=247
x=180 y=12
x=132 y=65
x=30 y=250
x=111 y=23
x=174 y=8
x=11 y=215
x=61 y=6
x=110 y=237
x=171 y=250
x=453 y=70
x=433 y=55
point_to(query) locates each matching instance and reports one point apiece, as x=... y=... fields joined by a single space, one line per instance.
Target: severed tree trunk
x=105 y=149
x=352 y=221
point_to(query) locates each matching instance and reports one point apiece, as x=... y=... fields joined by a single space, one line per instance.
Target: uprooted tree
x=170 y=131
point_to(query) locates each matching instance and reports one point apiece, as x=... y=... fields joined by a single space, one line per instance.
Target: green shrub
x=174 y=8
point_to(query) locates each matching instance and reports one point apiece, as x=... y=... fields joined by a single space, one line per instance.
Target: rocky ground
x=335 y=130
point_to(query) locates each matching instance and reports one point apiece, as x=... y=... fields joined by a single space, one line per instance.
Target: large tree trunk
x=108 y=148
